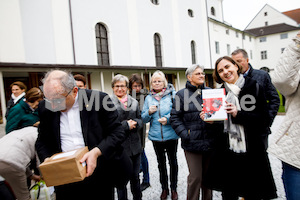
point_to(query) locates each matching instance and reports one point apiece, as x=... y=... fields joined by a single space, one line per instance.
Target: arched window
x=212 y=11
x=193 y=52
x=157 y=48
x=102 y=45
x=190 y=13
x=156 y=2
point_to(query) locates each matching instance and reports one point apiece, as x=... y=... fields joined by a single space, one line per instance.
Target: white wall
x=11 y=34
x=273 y=17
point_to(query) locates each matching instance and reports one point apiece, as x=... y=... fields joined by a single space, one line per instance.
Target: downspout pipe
x=72 y=32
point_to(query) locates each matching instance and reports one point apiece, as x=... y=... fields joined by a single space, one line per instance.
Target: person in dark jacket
x=24 y=113
x=240 y=167
x=130 y=118
x=71 y=118
x=196 y=135
x=263 y=78
x=137 y=91
x=18 y=90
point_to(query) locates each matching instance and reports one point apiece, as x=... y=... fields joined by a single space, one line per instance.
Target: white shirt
x=71 y=136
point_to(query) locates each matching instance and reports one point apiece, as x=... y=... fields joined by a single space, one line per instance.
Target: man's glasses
x=56 y=104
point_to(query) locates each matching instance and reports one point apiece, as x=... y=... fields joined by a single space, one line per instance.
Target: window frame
x=102 y=44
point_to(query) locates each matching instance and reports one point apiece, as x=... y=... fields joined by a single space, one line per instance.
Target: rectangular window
x=282 y=50
x=266 y=14
x=227 y=31
x=251 y=55
x=263 y=55
x=217 y=47
x=236 y=34
x=266 y=23
x=244 y=36
x=250 y=39
x=228 y=50
x=283 y=36
x=263 y=39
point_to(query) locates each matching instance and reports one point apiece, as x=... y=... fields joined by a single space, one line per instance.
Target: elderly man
x=263 y=78
x=68 y=122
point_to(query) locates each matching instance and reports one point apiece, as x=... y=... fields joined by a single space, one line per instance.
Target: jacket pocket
x=285 y=131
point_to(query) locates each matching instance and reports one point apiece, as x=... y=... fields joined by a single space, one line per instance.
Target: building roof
x=268 y=30
x=294 y=14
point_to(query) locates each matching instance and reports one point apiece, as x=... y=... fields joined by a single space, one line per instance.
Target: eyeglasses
x=120 y=86
x=200 y=74
x=57 y=101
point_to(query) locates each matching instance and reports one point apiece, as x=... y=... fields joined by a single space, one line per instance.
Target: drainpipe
x=72 y=32
x=208 y=36
x=2 y=98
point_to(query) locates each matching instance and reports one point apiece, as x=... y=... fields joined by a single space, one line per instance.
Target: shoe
x=174 y=195
x=164 y=194
x=144 y=186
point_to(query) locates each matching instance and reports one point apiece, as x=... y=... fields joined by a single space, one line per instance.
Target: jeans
x=169 y=147
x=291 y=181
x=134 y=181
x=145 y=167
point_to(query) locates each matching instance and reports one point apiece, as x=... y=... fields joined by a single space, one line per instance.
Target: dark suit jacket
x=101 y=128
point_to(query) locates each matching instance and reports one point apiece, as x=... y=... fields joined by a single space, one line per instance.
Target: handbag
x=40 y=191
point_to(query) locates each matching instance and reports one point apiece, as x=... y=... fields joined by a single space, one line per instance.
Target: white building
x=99 y=39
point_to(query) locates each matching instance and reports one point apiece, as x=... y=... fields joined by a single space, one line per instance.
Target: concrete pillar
x=2 y=98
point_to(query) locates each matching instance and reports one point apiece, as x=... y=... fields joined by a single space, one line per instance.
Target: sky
x=239 y=13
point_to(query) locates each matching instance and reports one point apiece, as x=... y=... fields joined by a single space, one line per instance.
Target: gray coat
x=17 y=148
x=132 y=144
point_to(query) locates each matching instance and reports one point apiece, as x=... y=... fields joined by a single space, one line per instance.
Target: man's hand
x=91 y=160
x=35 y=177
x=163 y=120
x=132 y=124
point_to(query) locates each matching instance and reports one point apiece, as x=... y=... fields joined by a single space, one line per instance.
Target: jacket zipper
x=161 y=128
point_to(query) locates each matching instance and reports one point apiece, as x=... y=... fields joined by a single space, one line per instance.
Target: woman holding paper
x=240 y=166
x=197 y=136
x=156 y=110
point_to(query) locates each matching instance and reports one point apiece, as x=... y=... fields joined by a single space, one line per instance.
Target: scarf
x=235 y=132
x=124 y=100
x=158 y=95
x=16 y=99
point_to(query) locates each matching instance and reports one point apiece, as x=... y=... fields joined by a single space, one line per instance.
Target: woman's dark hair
x=216 y=76
x=135 y=78
x=20 y=84
x=79 y=77
x=33 y=94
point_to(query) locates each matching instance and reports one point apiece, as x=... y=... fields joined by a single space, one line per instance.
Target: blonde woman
x=156 y=110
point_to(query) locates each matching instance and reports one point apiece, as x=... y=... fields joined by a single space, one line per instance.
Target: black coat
x=270 y=92
x=100 y=127
x=248 y=174
x=132 y=144
x=196 y=135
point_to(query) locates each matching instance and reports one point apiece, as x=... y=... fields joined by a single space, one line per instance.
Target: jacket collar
x=193 y=88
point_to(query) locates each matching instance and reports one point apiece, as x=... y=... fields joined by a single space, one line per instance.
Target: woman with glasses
x=130 y=117
x=197 y=136
x=156 y=110
x=24 y=113
x=241 y=167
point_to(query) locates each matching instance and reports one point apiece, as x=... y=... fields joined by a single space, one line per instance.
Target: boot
x=174 y=195
x=164 y=194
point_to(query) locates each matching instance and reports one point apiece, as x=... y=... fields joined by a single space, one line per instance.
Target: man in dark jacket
x=263 y=78
x=71 y=119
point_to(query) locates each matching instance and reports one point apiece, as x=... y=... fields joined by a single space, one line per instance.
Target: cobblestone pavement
x=153 y=192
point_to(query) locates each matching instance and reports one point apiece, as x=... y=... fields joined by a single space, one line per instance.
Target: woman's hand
x=202 y=116
x=36 y=124
x=152 y=109
x=132 y=124
x=231 y=109
x=163 y=120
